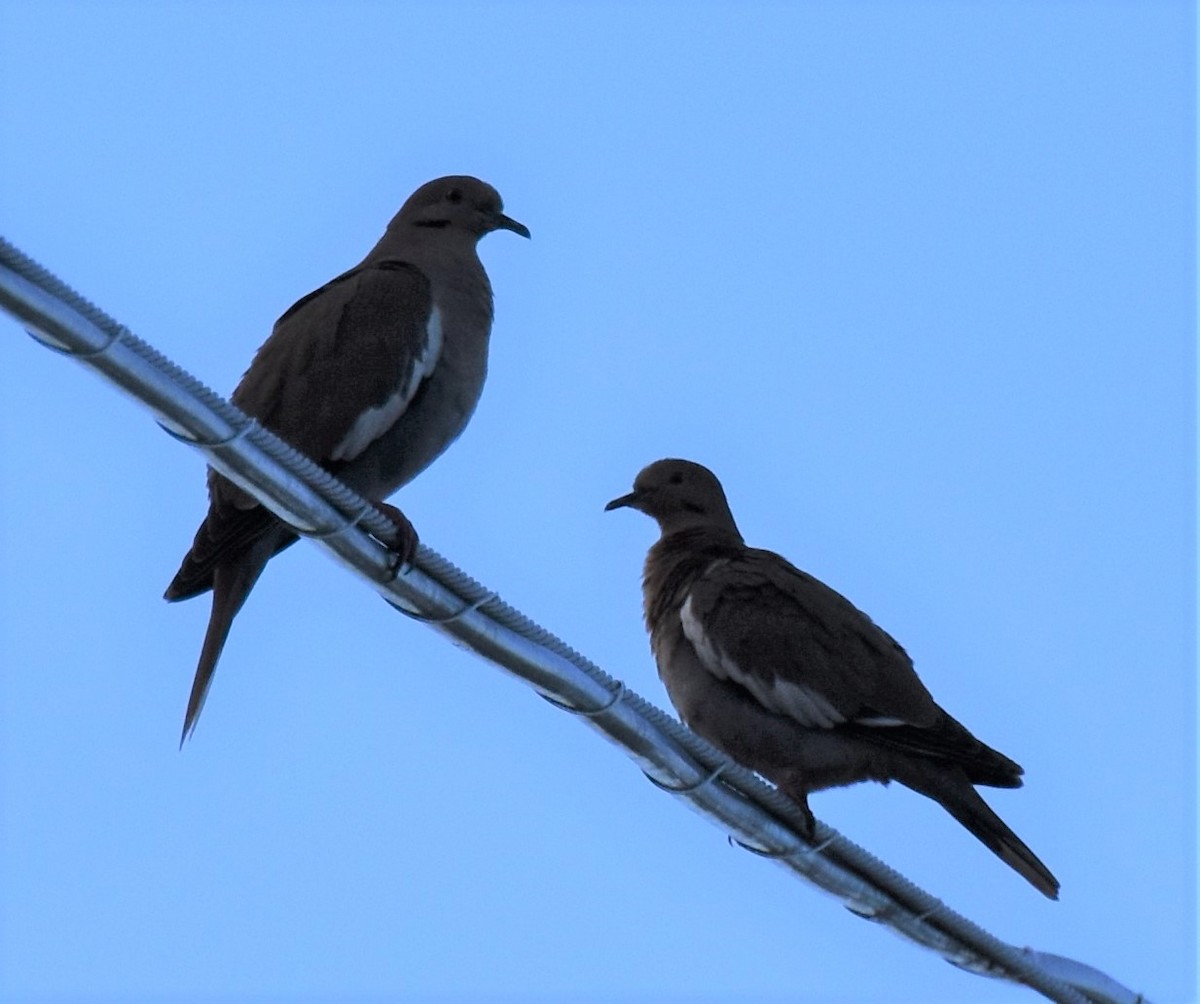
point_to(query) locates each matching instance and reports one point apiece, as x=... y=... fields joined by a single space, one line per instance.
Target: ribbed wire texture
x=433 y=590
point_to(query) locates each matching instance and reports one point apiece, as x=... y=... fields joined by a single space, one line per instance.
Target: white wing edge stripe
x=783 y=697
x=374 y=422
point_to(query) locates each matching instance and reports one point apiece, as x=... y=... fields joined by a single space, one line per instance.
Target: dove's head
x=679 y=494
x=457 y=204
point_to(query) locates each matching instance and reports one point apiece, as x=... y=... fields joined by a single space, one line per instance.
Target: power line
x=433 y=590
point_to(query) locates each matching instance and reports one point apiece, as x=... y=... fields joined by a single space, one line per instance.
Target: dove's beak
x=508 y=223
x=624 y=502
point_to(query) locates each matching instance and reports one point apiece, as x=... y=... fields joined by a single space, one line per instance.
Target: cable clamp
x=449 y=618
x=688 y=789
x=614 y=699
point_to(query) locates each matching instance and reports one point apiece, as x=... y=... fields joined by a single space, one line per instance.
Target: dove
x=372 y=376
x=790 y=679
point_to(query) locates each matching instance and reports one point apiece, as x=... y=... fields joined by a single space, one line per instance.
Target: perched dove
x=372 y=376
x=790 y=679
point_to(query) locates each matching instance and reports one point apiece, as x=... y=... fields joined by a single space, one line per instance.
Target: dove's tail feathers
x=956 y=795
x=231 y=585
x=226 y=534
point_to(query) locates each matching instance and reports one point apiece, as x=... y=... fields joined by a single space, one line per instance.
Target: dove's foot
x=800 y=797
x=404 y=543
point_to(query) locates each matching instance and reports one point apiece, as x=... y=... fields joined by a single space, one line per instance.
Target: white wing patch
x=783 y=697
x=374 y=422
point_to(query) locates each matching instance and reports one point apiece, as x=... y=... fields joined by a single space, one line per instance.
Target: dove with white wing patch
x=372 y=376
x=792 y=680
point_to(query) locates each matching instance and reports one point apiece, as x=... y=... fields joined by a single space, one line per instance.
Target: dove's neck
x=449 y=260
x=676 y=560
x=449 y=256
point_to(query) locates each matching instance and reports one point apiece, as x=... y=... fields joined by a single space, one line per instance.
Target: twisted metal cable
x=757 y=816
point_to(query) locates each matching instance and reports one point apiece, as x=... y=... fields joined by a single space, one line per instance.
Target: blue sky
x=916 y=280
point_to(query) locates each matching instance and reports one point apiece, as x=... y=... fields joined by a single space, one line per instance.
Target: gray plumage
x=792 y=680
x=372 y=376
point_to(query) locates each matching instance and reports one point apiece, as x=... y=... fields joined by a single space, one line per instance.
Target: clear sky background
x=915 y=279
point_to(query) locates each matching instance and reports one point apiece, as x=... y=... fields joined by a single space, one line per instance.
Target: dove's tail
x=231 y=585
x=958 y=797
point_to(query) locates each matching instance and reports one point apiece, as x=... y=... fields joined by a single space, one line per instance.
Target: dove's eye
x=454 y=195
